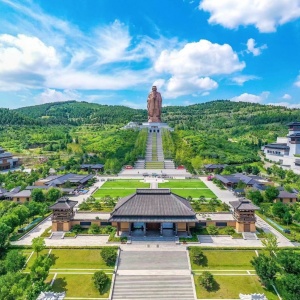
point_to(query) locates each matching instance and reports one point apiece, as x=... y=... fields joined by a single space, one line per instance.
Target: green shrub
x=94 y=229
x=212 y=230
x=207 y=280
x=197 y=256
x=100 y=280
x=109 y=255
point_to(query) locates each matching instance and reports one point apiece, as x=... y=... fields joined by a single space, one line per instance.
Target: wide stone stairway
x=153 y=274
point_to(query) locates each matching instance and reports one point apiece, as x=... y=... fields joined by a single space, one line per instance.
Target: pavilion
x=153 y=210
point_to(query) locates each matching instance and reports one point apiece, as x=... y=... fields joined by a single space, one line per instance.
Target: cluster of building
x=7 y=161
x=68 y=184
x=257 y=183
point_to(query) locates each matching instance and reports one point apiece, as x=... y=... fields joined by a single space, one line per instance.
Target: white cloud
x=51 y=95
x=265 y=15
x=201 y=58
x=241 y=79
x=133 y=104
x=254 y=50
x=177 y=86
x=286 y=104
x=297 y=82
x=251 y=97
x=190 y=66
x=286 y=97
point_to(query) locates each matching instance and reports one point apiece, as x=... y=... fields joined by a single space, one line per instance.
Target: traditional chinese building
x=153 y=210
x=63 y=214
x=244 y=214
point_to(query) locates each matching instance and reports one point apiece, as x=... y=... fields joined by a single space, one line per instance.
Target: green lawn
x=229 y=287
x=113 y=193
x=194 y=193
x=77 y=285
x=78 y=259
x=124 y=183
x=178 y=183
x=226 y=260
x=32 y=259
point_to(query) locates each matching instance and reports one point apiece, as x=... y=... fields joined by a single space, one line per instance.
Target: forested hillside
x=78 y=113
x=218 y=131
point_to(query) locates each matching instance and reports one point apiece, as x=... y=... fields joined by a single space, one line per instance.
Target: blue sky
x=113 y=51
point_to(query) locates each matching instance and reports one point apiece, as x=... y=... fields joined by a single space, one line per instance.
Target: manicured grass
x=124 y=183
x=226 y=260
x=113 y=193
x=179 y=183
x=194 y=193
x=77 y=285
x=229 y=287
x=78 y=259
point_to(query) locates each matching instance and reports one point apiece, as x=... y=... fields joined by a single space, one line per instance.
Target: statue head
x=154 y=89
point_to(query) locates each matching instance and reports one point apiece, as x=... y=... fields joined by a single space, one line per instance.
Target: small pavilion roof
x=63 y=203
x=243 y=204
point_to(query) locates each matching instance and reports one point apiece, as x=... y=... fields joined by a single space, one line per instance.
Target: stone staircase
x=139 y=164
x=249 y=236
x=57 y=235
x=169 y=164
x=153 y=274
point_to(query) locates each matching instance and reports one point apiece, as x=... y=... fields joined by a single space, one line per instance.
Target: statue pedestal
x=155 y=126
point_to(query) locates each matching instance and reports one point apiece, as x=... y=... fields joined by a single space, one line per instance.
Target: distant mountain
x=232 y=119
x=77 y=113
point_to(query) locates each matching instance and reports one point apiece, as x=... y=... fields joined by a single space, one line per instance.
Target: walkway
x=153 y=274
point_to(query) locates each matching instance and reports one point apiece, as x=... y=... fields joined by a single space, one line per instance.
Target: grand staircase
x=153 y=274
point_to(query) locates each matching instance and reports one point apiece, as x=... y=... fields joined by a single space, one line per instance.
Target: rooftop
x=278 y=146
x=151 y=205
x=24 y=193
x=63 y=203
x=243 y=204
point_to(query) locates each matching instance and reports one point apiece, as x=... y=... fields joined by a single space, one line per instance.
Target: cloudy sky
x=113 y=51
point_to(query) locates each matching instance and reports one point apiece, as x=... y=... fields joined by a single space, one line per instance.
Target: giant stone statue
x=154 y=103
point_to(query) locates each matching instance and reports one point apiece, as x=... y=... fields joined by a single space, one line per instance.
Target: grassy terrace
x=119 y=188
x=74 y=269
x=178 y=183
x=233 y=274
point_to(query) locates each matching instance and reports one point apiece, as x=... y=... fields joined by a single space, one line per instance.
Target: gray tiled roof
x=278 y=146
x=61 y=179
x=153 y=203
x=24 y=193
x=215 y=166
x=63 y=203
x=243 y=204
x=285 y=194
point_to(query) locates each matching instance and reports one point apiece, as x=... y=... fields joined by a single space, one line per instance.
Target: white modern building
x=7 y=161
x=286 y=150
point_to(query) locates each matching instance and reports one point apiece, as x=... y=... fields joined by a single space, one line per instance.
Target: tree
x=37 y=195
x=4 y=234
x=101 y=281
x=290 y=284
x=197 y=256
x=279 y=210
x=266 y=268
x=287 y=218
x=290 y=261
x=53 y=194
x=109 y=255
x=271 y=193
x=212 y=229
x=40 y=268
x=38 y=245
x=271 y=244
x=229 y=230
x=14 y=261
x=206 y=280
x=255 y=196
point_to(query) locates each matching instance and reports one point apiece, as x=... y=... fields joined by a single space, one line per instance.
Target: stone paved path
x=153 y=274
